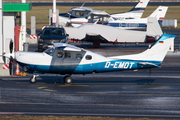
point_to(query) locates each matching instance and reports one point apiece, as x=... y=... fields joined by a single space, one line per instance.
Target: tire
x=68 y=80
x=33 y=79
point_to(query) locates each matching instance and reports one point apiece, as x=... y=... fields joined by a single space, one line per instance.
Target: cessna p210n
x=67 y=59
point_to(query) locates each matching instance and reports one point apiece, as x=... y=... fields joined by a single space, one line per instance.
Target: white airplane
x=159 y=13
x=98 y=33
x=67 y=59
x=134 y=13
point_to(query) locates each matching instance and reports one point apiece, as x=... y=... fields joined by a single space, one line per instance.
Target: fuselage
x=73 y=62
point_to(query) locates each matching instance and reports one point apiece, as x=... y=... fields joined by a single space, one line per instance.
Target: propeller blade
x=11 y=65
x=11 y=46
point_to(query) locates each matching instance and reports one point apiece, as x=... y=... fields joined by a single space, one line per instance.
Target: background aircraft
x=67 y=59
x=159 y=13
x=98 y=33
x=81 y=14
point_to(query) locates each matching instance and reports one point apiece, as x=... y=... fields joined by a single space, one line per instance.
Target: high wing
x=66 y=47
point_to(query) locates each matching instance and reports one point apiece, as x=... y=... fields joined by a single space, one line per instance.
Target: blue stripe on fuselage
x=115 y=65
x=132 y=25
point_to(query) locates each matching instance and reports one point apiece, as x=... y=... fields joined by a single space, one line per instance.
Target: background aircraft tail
x=139 y=8
x=160 y=13
x=135 y=13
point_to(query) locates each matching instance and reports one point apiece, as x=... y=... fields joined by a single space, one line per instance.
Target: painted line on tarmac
x=49 y=90
x=42 y=87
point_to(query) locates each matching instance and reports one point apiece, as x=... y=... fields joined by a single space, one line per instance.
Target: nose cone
x=8 y=55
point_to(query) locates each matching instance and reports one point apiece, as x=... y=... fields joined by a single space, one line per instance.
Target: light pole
x=23 y=24
x=1 y=31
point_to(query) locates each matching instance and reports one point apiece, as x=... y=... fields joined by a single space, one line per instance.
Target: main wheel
x=33 y=79
x=68 y=80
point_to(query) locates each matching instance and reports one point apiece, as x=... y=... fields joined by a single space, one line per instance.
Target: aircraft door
x=57 y=61
x=65 y=62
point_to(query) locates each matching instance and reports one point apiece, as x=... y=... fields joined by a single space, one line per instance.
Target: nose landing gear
x=33 y=79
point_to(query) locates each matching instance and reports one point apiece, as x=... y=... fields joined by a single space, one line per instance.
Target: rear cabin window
x=79 y=56
x=67 y=55
x=88 y=57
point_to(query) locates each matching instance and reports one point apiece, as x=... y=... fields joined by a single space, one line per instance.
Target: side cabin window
x=49 y=51
x=88 y=57
x=60 y=54
x=79 y=56
x=67 y=55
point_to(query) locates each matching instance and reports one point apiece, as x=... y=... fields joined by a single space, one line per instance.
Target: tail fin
x=159 y=50
x=154 y=54
x=139 y=8
x=153 y=28
x=160 y=13
x=135 y=13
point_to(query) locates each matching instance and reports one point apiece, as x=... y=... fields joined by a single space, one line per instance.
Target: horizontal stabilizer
x=146 y=65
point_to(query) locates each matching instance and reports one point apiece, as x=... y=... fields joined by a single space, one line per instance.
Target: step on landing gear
x=33 y=79
x=68 y=79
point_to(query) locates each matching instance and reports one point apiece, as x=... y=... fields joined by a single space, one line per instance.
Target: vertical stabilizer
x=153 y=28
x=159 y=50
x=160 y=13
x=135 y=13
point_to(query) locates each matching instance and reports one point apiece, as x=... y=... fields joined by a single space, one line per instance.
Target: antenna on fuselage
x=83 y=4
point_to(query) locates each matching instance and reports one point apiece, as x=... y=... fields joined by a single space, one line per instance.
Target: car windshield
x=49 y=51
x=53 y=31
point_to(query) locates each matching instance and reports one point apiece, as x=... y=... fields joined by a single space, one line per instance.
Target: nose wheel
x=33 y=79
x=68 y=79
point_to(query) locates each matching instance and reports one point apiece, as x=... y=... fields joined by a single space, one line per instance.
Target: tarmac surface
x=154 y=94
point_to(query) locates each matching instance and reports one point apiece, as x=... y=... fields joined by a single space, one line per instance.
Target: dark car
x=51 y=35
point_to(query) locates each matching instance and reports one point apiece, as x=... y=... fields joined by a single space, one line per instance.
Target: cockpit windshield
x=49 y=51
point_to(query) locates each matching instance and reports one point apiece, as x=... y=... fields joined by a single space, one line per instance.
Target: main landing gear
x=68 y=79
